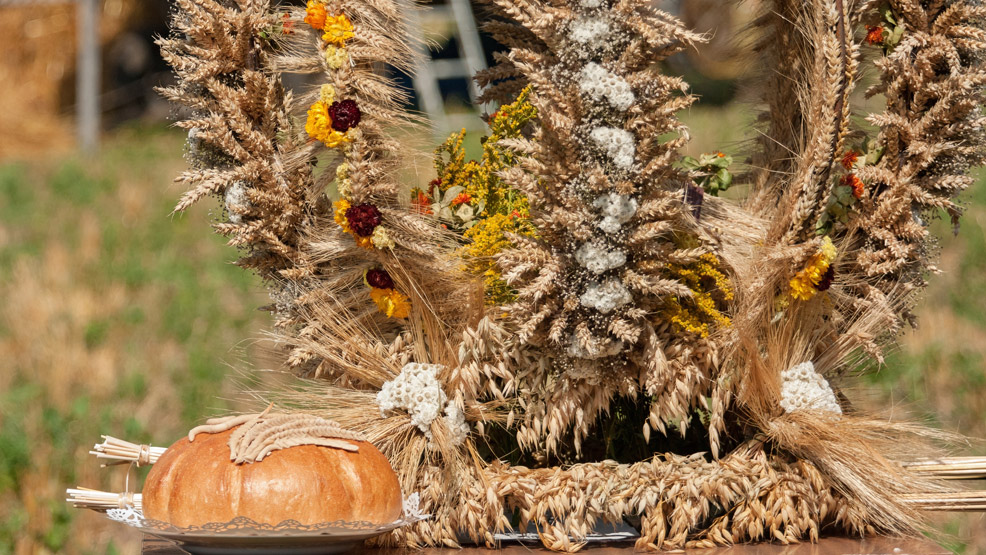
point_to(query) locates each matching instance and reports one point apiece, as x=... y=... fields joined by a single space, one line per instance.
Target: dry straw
x=820 y=262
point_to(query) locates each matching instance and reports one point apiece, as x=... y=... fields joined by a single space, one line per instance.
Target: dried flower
x=327 y=95
x=804 y=285
x=874 y=34
x=345 y=115
x=363 y=219
x=335 y=57
x=461 y=198
x=341 y=207
x=379 y=278
x=381 y=239
x=827 y=279
x=315 y=14
x=338 y=29
x=849 y=159
x=599 y=83
x=420 y=202
x=287 y=26
x=319 y=126
x=391 y=302
x=853 y=181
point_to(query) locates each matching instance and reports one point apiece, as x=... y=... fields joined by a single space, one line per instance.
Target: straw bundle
x=102 y=501
x=121 y=452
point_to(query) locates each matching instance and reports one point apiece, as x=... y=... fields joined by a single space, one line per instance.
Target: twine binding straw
x=122 y=452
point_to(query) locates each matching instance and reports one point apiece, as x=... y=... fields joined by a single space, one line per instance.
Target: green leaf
x=895 y=37
x=722 y=161
x=888 y=15
x=689 y=163
x=725 y=179
x=874 y=155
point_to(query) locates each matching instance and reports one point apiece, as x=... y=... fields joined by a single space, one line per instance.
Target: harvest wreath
x=576 y=328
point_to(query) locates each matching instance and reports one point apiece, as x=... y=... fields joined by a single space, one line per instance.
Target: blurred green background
x=118 y=317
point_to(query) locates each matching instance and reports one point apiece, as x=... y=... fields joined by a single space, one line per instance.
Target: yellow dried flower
x=381 y=239
x=804 y=285
x=709 y=287
x=327 y=94
x=338 y=29
x=504 y=209
x=339 y=216
x=335 y=57
x=319 y=126
x=391 y=302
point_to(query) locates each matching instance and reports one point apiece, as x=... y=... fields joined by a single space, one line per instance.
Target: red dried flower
x=379 y=279
x=363 y=219
x=462 y=198
x=874 y=34
x=850 y=158
x=827 y=278
x=345 y=115
x=431 y=186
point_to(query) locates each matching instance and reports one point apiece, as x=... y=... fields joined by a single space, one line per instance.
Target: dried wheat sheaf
x=642 y=309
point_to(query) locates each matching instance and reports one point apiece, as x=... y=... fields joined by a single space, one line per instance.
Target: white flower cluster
x=455 y=419
x=599 y=83
x=236 y=201
x=616 y=210
x=802 y=388
x=617 y=144
x=590 y=31
x=591 y=3
x=416 y=390
x=597 y=257
x=606 y=296
x=598 y=348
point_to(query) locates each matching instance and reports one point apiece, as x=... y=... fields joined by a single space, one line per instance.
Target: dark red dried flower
x=379 y=279
x=827 y=278
x=363 y=219
x=345 y=115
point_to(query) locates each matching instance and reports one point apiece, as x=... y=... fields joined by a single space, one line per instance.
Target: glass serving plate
x=243 y=535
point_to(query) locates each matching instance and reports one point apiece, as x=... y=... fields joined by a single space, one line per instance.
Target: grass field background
x=119 y=318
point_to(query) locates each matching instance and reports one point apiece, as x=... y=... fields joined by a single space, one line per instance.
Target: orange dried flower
x=874 y=34
x=421 y=203
x=462 y=198
x=849 y=159
x=391 y=302
x=851 y=180
x=315 y=14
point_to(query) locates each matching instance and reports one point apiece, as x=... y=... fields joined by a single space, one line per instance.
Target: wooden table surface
x=827 y=546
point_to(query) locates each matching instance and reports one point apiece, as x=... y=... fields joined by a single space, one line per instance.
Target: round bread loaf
x=195 y=483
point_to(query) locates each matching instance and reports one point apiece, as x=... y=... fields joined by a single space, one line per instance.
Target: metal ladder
x=470 y=60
